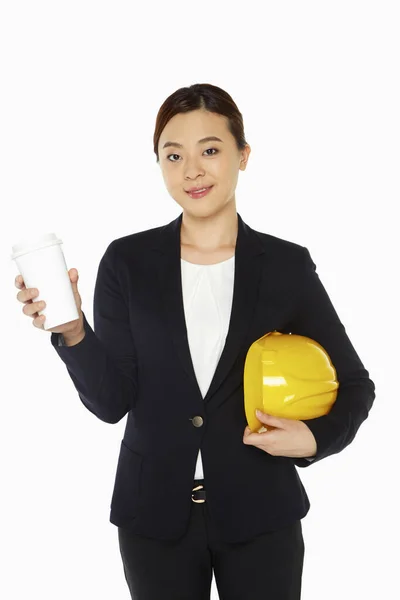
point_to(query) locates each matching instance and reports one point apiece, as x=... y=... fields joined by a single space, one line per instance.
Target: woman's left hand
x=288 y=437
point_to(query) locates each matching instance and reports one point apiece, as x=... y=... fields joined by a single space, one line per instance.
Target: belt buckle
x=199 y=487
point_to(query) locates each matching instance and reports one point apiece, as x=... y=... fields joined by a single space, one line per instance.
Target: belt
x=199 y=494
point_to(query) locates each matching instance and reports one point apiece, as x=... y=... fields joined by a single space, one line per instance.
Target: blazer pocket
x=126 y=493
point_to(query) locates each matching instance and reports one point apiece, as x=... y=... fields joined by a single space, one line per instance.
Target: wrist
x=71 y=339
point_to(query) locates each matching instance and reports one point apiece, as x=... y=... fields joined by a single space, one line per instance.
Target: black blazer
x=137 y=361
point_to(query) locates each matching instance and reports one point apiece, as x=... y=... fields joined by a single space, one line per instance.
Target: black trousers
x=269 y=567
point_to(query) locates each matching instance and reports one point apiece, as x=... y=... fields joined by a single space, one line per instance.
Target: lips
x=197 y=189
x=199 y=194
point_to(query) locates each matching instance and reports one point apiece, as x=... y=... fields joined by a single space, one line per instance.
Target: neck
x=212 y=232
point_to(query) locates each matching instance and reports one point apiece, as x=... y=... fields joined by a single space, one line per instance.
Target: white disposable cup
x=41 y=263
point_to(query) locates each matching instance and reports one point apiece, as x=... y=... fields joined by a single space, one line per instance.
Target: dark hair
x=200 y=96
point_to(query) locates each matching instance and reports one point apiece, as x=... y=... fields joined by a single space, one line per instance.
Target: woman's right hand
x=72 y=328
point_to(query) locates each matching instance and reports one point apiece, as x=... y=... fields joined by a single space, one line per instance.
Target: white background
x=81 y=83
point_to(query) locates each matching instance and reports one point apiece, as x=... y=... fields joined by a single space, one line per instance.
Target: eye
x=215 y=149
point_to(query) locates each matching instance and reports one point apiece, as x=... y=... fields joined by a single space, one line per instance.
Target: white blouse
x=207 y=299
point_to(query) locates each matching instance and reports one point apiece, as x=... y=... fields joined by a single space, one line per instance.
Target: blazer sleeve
x=103 y=365
x=317 y=319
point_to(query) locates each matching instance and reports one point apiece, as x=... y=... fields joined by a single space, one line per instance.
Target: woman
x=176 y=309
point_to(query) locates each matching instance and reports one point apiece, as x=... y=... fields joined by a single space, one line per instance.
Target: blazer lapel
x=247 y=276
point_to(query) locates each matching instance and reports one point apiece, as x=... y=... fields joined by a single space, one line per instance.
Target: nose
x=193 y=170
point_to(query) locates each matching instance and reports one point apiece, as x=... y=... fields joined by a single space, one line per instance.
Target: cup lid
x=34 y=243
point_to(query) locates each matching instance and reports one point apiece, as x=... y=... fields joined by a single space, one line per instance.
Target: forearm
x=336 y=430
x=102 y=385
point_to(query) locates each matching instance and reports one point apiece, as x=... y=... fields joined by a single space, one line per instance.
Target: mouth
x=200 y=193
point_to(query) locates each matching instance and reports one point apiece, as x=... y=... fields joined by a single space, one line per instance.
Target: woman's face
x=188 y=162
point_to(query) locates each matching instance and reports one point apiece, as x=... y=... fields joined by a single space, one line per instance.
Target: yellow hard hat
x=288 y=375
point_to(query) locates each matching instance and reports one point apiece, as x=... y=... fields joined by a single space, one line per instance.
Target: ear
x=245 y=157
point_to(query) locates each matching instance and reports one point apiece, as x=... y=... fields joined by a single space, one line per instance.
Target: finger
x=271 y=420
x=38 y=321
x=266 y=441
x=19 y=282
x=74 y=277
x=26 y=295
x=252 y=437
x=31 y=308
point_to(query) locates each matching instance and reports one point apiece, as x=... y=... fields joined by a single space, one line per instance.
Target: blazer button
x=197 y=421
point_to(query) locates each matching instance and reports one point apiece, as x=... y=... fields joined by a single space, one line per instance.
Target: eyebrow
x=210 y=138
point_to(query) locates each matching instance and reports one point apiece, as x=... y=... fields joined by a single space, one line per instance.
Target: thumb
x=74 y=276
x=270 y=419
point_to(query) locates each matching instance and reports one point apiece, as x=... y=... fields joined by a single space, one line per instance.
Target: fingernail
x=258 y=413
